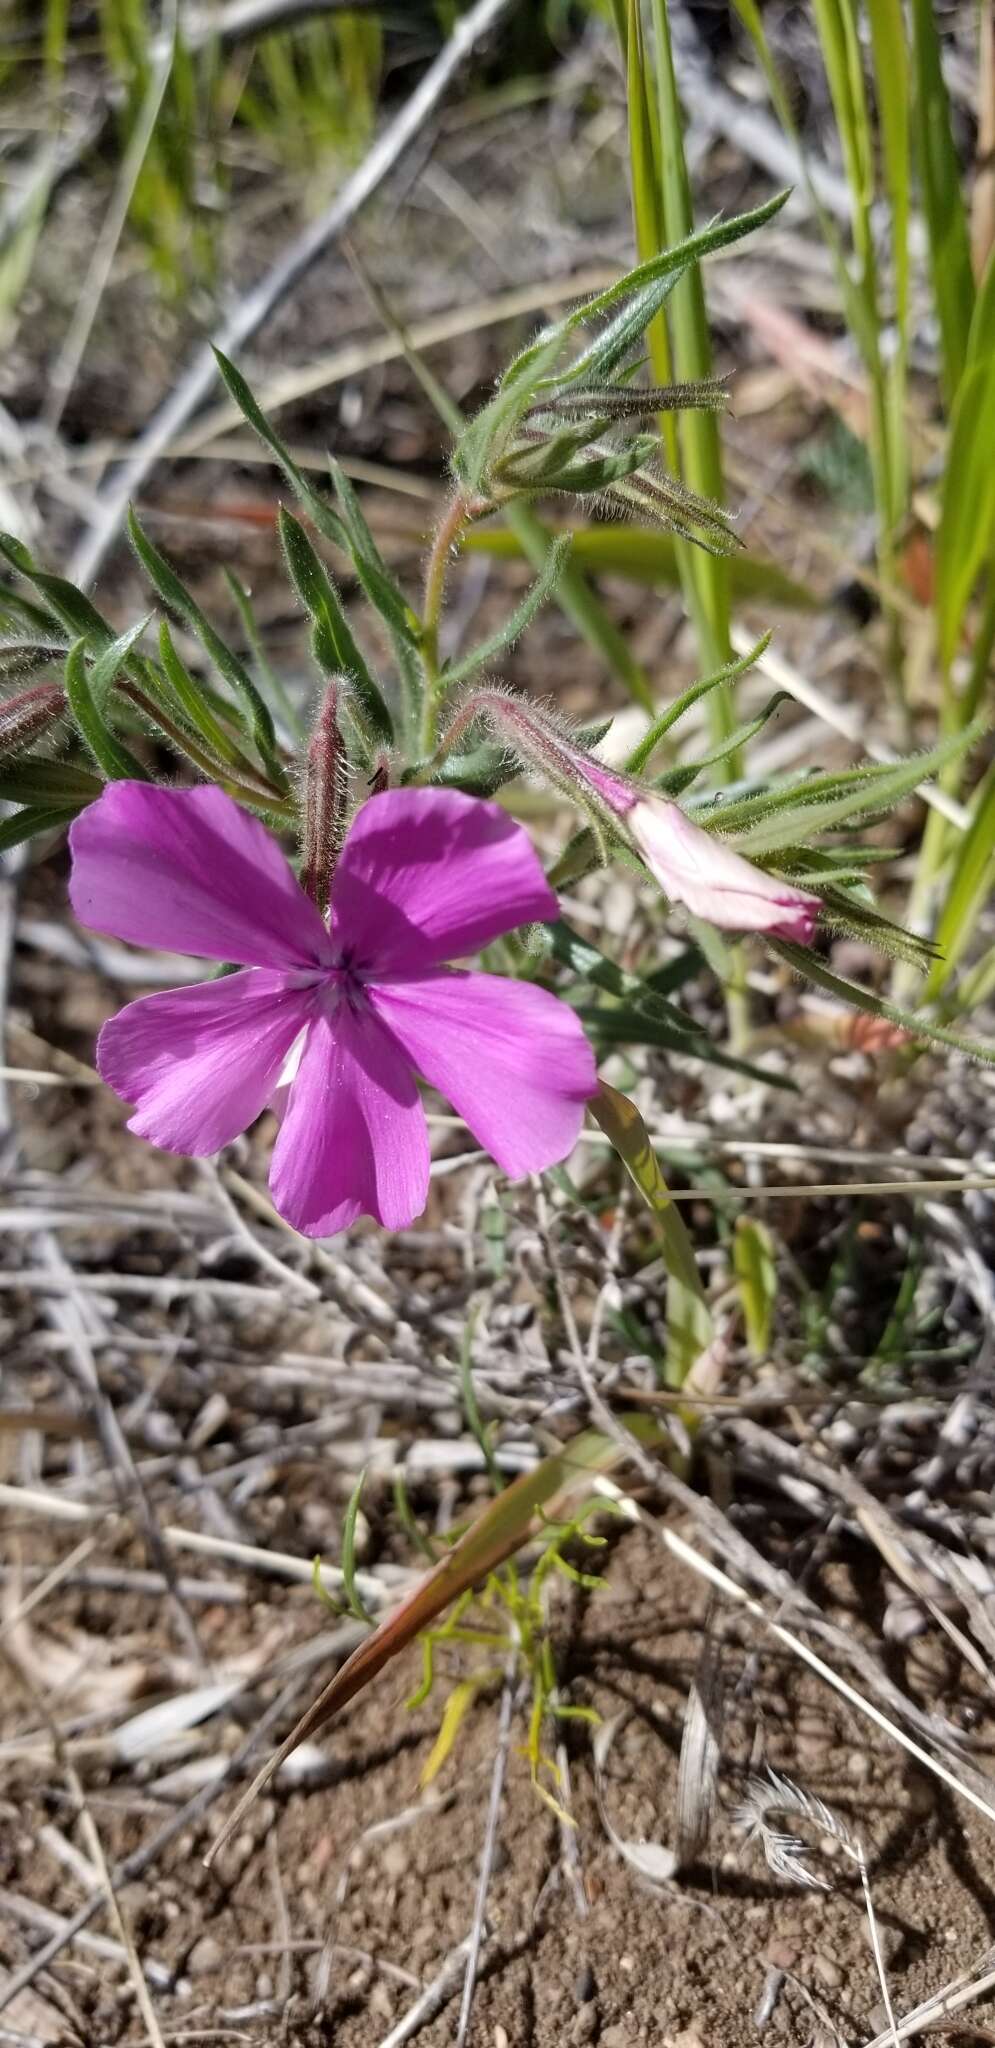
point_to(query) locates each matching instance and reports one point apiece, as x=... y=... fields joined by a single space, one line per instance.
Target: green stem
x=457 y=515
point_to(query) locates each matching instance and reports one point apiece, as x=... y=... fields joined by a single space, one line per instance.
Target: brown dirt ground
x=690 y=1962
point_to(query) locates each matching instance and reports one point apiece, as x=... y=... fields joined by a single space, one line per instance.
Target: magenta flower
x=425 y=876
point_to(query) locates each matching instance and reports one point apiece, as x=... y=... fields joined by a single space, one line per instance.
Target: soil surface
x=337 y=1889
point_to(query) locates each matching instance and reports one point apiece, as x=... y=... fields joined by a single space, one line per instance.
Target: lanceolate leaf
x=386 y=597
x=71 y=606
x=689 y=1320
x=175 y=594
x=379 y=583
x=731 y=673
x=805 y=809
x=334 y=646
x=807 y=964
x=194 y=704
x=110 y=753
x=675 y=780
x=324 y=517
x=644 y=289
x=35 y=818
x=35 y=780
x=108 y=665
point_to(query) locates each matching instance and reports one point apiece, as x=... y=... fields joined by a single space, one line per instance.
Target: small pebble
x=782 y=1955
x=584 y=2024
x=206 y=1955
x=829 y=1972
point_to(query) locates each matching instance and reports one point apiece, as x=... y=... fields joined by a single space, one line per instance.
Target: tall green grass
x=679 y=342
x=884 y=74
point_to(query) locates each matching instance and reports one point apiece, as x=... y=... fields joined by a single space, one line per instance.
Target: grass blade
x=943 y=198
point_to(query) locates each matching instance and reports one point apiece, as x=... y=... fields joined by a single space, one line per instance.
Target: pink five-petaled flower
x=425 y=876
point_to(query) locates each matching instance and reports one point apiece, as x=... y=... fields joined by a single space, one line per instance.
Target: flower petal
x=713 y=881
x=187 y=870
x=511 y=1058
x=353 y=1140
x=201 y=1062
x=428 y=875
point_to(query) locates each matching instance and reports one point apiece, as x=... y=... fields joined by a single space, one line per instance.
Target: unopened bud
x=324 y=800
x=712 y=880
x=691 y=865
x=24 y=717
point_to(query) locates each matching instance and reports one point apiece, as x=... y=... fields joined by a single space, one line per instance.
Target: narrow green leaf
x=34 y=780
x=17 y=610
x=880 y=785
x=387 y=598
x=468 y=1396
x=354 y=1601
x=591 y=965
x=644 y=554
x=108 y=665
x=646 y=288
x=889 y=49
x=730 y=673
x=334 y=646
x=611 y=1026
x=690 y=1330
x=580 y=603
x=175 y=594
x=379 y=583
x=110 y=753
x=674 y=781
x=194 y=704
x=756 y=1279
x=697 y=432
x=325 y=518
x=967 y=511
x=515 y=624
x=71 y=606
x=34 y=819
x=278 y=692
x=807 y=964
